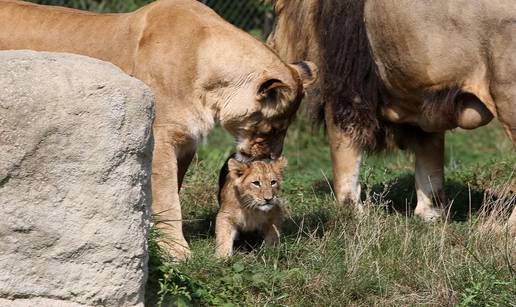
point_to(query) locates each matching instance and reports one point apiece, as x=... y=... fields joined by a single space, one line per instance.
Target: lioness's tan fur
x=201 y=69
x=248 y=202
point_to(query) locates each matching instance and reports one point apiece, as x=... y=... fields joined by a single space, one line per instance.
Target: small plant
x=176 y=288
x=179 y=289
x=487 y=291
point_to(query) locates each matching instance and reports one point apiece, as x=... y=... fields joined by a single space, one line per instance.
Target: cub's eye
x=274 y=182
x=256 y=183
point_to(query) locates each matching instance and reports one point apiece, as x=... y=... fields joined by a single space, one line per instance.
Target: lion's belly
x=422 y=48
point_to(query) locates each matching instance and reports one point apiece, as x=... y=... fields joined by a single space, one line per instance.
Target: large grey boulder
x=75 y=152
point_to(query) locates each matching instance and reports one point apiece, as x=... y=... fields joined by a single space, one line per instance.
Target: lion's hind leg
x=503 y=85
x=506 y=106
x=507 y=115
x=429 y=153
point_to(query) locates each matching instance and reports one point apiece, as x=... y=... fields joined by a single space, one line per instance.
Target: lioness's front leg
x=429 y=152
x=346 y=157
x=165 y=194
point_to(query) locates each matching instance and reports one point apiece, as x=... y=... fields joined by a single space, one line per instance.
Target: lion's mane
x=332 y=33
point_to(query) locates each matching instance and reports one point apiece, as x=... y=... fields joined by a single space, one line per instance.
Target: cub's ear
x=279 y=164
x=236 y=167
x=269 y=87
x=307 y=71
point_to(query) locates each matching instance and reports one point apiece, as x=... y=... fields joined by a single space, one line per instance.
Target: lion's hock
x=75 y=148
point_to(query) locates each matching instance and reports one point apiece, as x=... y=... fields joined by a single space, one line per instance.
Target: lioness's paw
x=177 y=251
x=429 y=214
x=223 y=251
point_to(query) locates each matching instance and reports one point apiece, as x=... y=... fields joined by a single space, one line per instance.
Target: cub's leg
x=346 y=157
x=272 y=232
x=429 y=152
x=165 y=194
x=225 y=233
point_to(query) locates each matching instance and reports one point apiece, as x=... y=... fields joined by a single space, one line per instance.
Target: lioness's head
x=257 y=183
x=260 y=127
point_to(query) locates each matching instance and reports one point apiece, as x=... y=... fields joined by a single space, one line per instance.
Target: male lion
x=248 y=201
x=202 y=71
x=405 y=69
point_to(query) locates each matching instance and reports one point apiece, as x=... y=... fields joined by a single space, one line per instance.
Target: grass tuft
x=331 y=256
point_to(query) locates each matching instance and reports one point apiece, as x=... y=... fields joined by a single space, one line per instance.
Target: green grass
x=330 y=257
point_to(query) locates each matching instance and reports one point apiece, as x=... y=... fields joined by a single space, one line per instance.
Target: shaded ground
x=329 y=256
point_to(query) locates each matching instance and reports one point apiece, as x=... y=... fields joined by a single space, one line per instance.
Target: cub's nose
x=268 y=200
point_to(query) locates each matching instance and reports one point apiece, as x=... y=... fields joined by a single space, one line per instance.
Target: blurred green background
x=253 y=16
x=98 y=5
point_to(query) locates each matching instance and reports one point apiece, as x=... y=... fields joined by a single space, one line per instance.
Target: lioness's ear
x=279 y=164
x=236 y=167
x=307 y=71
x=269 y=87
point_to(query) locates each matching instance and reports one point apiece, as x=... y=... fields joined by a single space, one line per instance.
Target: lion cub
x=248 y=201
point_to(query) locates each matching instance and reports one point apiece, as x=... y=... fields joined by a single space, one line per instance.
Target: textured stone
x=75 y=152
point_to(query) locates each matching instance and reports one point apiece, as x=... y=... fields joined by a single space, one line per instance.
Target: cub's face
x=258 y=182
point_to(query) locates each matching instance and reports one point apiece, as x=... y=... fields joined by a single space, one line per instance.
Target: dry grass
x=331 y=256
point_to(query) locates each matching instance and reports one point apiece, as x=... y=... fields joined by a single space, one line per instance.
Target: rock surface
x=75 y=153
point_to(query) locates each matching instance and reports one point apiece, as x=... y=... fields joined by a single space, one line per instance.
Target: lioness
x=202 y=71
x=406 y=71
x=248 y=201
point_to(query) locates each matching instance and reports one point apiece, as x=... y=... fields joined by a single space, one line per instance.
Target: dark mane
x=339 y=45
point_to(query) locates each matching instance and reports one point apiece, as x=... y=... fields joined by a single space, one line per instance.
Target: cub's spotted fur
x=248 y=201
